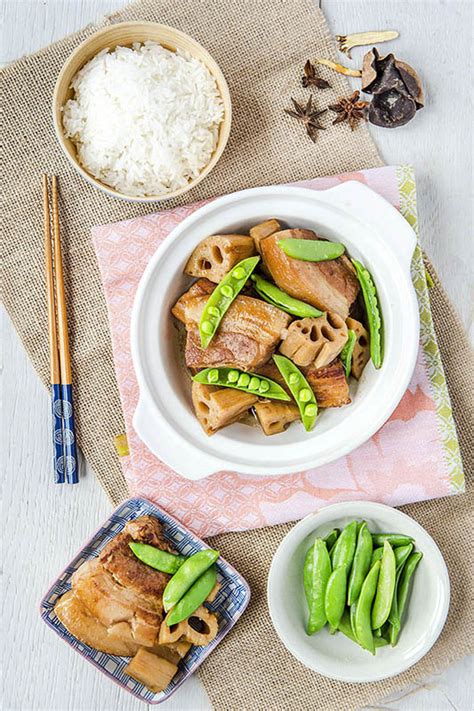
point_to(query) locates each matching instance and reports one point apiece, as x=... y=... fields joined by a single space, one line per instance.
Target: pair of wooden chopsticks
x=64 y=436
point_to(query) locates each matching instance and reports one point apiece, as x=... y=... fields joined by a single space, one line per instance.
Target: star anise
x=311 y=79
x=351 y=110
x=307 y=116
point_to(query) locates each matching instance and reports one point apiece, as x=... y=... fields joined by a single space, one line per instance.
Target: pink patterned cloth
x=403 y=462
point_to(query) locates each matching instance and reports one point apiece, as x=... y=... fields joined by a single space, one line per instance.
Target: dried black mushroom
x=396 y=88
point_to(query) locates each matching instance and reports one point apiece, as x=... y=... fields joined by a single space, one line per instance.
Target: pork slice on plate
x=330 y=286
x=246 y=338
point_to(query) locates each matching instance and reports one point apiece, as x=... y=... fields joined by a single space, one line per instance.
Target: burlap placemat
x=261 y=46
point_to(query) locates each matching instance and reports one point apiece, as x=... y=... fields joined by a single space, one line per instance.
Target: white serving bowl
x=375 y=233
x=336 y=656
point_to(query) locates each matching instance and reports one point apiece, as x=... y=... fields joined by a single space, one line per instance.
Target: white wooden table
x=43 y=525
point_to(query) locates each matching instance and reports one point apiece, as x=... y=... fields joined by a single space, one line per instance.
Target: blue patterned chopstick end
x=69 y=436
x=58 y=461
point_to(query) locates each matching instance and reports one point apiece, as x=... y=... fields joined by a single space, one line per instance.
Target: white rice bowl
x=144 y=120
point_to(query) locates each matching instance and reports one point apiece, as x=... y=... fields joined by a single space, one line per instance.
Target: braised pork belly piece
x=329 y=384
x=76 y=617
x=218 y=407
x=330 y=285
x=218 y=254
x=263 y=230
x=246 y=338
x=315 y=340
x=201 y=287
x=361 y=352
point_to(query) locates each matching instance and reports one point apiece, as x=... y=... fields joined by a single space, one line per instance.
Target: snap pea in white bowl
x=336 y=656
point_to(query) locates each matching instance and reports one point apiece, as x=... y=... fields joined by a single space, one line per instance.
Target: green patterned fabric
x=407 y=191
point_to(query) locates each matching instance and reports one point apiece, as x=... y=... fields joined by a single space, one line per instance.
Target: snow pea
x=361 y=563
x=316 y=572
x=346 y=629
x=335 y=599
x=311 y=250
x=363 y=627
x=352 y=614
x=343 y=552
x=238 y=380
x=401 y=554
x=345 y=626
x=188 y=573
x=193 y=598
x=394 y=617
x=276 y=297
x=222 y=297
x=156 y=558
x=347 y=351
x=395 y=539
x=374 y=319
x=385 y=587
x=331 y=538
x=402 y=592
x=300 y=389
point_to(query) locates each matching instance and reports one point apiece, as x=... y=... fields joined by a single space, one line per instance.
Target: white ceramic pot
x=375 y=233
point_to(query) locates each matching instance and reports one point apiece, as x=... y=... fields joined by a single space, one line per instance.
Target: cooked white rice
x=144 y=120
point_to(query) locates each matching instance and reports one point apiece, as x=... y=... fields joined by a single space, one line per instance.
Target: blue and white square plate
x=232 y=598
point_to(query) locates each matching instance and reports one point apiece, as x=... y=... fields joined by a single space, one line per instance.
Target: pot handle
x=167 y=446
x=372 y=209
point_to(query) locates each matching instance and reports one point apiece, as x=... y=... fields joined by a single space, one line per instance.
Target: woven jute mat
x=261 y=46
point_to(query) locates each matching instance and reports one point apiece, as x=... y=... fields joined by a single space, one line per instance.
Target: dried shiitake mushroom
x=396 y=88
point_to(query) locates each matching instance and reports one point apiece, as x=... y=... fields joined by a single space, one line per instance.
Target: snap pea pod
x=344 y=549
x=360 y=564
x=316 y=572
x=343 y=553
x=222 y=297
x=363 y=627
x=346 y=629
x=311 y=250
x=395 y=539
x=403 y=590
x=335 y=598
x=300 y=389
x=156 y=558
x=238 y=380
x=345 y=626
x=193 y=598
x=376 y=555
x=374 y=319
x=385 y=587
x=331 y=538
x=352 y=614
x=347 y=351
x=188 y=573
x=401 y=554
x=276 y=297
x=394 y=617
